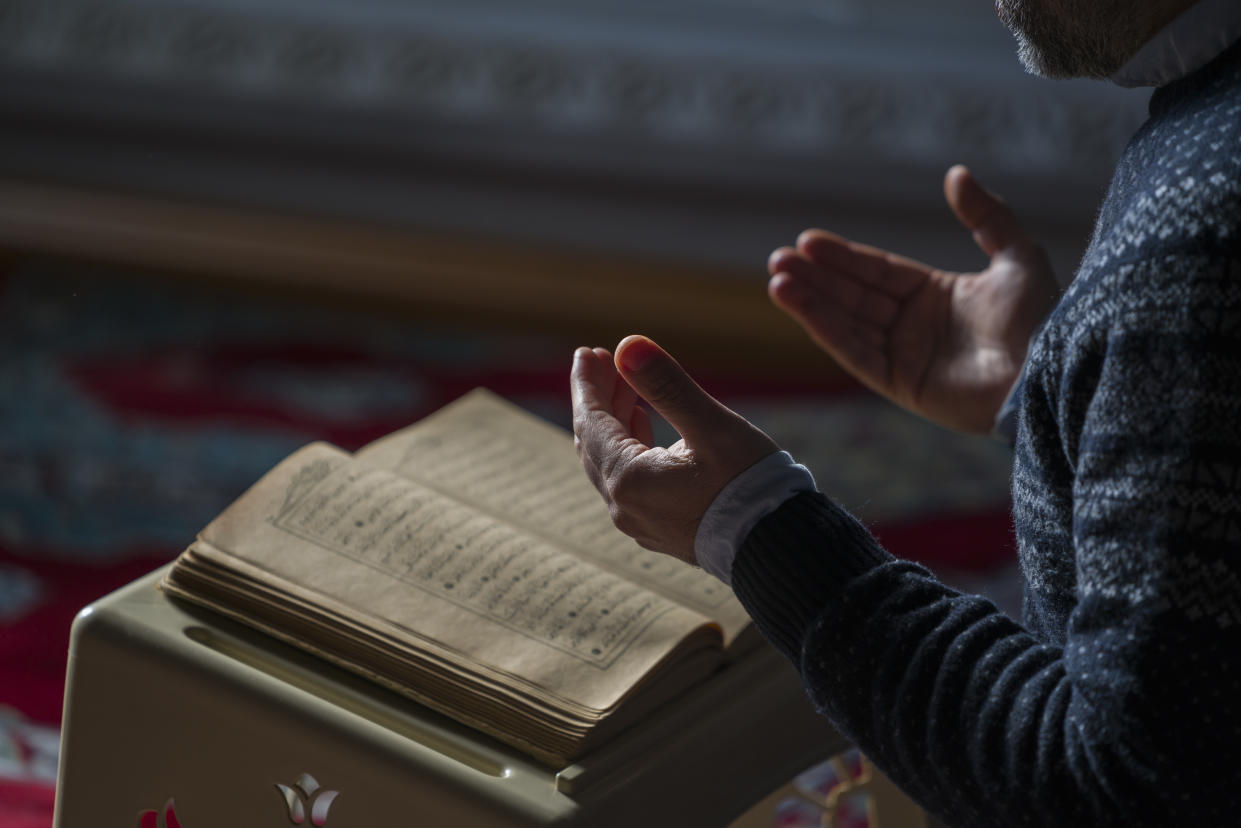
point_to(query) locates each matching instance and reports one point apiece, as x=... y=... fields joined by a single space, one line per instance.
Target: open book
x=466 y=562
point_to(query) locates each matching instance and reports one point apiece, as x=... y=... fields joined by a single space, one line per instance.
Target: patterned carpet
x=133 y=410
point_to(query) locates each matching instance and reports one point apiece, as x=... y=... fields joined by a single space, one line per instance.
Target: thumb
x=984 y=213
x=660 y=380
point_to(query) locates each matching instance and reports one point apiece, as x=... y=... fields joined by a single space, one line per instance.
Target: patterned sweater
x=1117 y=701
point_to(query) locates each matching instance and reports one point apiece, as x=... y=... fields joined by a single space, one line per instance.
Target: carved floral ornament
x=820 y=109
x=305 y=801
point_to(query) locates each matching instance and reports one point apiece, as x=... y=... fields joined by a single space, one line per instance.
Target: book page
x=411 y=563
x=501 y=459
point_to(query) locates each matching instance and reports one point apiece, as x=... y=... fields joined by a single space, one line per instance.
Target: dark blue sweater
x=1117 y=701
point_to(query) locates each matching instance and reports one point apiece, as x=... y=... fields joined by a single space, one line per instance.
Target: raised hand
x=656 y=495
x=947 y=346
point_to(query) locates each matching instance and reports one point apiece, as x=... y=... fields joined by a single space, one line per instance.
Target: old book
x=466 y=562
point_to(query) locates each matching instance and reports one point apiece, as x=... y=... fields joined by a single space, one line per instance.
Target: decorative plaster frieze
x=819 y=106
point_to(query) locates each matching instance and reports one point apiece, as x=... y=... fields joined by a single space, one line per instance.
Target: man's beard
x=1075 y=38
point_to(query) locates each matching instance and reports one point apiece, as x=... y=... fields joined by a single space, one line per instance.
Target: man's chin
x=1022 y=20
x=1074 y=38
x=1037 y=61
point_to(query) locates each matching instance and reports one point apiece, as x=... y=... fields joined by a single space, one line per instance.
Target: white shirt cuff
x=751 y=496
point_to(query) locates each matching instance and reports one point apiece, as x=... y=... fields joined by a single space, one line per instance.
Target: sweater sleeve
x=1131 y=717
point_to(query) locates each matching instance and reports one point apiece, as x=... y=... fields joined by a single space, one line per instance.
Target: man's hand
x=947 y=346
x=656 y=495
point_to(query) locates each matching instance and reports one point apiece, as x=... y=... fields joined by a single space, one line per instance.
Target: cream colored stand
x=168 y=702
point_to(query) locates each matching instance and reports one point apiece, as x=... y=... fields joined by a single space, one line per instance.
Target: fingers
x=624 y=399
x=889 y=274
x=858 y=347
x=867 y=303
x=849 y=297
x=848 y=318
x=603 y=441
x=660 y=380
x=605 y=380
x=985 y=214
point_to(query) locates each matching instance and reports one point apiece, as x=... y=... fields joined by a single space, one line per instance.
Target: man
x=1116 y=701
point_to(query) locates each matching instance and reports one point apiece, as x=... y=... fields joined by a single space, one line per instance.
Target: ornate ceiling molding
x=819 y=106
x=825 y=107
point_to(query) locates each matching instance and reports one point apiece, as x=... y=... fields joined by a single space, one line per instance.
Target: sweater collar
x=1193 y=39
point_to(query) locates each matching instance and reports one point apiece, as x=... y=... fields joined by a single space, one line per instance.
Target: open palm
x=945 y=345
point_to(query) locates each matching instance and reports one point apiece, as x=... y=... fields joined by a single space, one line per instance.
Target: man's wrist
x=748 y=498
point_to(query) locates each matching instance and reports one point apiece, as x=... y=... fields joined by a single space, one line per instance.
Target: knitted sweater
x=1117 y=701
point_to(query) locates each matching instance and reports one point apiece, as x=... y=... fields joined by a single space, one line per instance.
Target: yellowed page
x=411 y=563
x=498 y=458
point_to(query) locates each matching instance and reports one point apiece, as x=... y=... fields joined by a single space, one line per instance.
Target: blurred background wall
x=599 y=166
